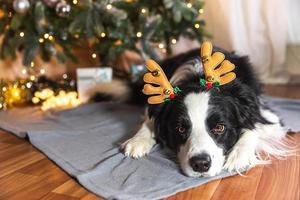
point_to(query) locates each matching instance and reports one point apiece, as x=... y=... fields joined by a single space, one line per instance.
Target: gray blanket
x=85 y=142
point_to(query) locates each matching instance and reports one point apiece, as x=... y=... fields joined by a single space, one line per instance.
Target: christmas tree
x=50 y=28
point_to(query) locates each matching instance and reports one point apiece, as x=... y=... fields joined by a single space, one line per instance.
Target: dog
x=224 y=128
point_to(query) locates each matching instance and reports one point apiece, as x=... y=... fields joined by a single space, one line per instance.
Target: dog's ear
x=159 y=114
x=191 y=68
x=247 y=106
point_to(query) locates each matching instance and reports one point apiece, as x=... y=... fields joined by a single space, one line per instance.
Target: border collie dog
x=222 y=128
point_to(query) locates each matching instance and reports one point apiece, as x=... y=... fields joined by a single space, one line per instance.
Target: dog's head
x=202 y=126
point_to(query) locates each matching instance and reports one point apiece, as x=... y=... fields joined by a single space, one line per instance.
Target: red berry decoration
x=172 y=96
x=208 y=85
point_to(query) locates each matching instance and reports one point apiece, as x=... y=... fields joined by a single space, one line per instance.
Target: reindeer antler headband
x=214 y=76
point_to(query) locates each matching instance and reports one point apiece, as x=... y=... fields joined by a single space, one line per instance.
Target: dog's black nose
x=201 y=162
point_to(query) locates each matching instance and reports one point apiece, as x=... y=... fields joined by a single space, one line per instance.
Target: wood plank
x=41 y=168
x=90 y=196
x=10 y=138
x=239 y=187
x=281 y=179
x=35 y=189
x=204 y=192
x=17 y=157
x=15 y=182
x=55 y=196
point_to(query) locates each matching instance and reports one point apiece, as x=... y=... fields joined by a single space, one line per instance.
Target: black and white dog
x=210 y=130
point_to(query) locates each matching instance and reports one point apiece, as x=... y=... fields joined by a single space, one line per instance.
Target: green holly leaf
x=168 y=99
x=202 y=82
x=177 y=90
x=216 y=84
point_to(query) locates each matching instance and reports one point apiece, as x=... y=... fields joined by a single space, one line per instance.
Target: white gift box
x=88 y=78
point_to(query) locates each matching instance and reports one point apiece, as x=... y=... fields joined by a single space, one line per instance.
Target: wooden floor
x=26 y=174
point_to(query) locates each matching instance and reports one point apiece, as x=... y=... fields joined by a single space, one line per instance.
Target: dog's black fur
x=236 y=105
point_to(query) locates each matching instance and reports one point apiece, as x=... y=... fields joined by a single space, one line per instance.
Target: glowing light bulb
x=24 y=71
x=94 y=55
x=32 y=78
x=174 y=41
x=189 y=5
x=46 y=35
x=201 y=11
x=28 y=85
x=139 y=34
x=41 y=40
x=22 y=34
x=75 y=2
x=4 y=89
x=197 y=26
x=35 y=100
x=42 y=71
x=108 y=6
x=65 y=76
x=50 y=38
x=31 y=64
x=143 y=10
x=161 y=45
x=103 y=34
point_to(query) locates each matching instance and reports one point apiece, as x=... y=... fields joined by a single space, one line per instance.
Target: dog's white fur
x=142 y=142
x=199 y=140
x=269 y=139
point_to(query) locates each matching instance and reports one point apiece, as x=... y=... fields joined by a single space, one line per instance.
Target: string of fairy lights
x=36 y=89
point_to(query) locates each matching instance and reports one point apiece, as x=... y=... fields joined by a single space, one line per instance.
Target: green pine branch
x=110 y=31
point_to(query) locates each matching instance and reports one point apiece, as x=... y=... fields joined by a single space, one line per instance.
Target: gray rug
x=85 y=142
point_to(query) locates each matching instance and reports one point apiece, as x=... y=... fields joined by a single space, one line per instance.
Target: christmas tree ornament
x=62 y=9
x=51 y=3
x=21 y=6
x=1 y=13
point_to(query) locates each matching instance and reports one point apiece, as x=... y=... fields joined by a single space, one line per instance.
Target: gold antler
x=164 y=91
x=221 y=75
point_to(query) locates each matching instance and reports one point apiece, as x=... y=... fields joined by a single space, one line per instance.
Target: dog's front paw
x=138 y=146
x=240 y=160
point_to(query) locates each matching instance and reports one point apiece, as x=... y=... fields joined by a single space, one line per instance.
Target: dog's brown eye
x=181 y=130
x=219 y=129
